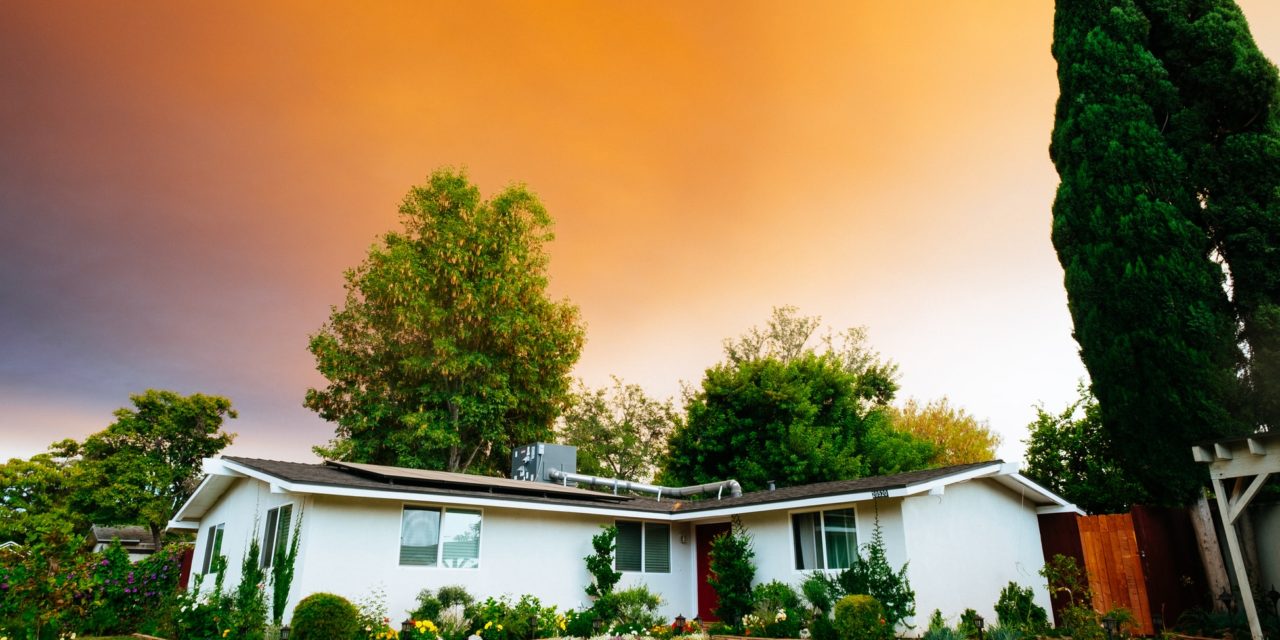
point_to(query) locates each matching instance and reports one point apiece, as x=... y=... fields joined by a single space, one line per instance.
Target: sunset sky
x=182 y=185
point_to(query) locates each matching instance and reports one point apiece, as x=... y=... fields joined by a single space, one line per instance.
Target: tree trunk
x=1215 y=570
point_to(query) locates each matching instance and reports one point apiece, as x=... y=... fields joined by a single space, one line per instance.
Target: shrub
x=500 y=619
x=430 y=603
x=968 y=627
x=732 y=573
x=938 y=629
x=638 y=606
x=872 y=575
x=777 y=610
x=821 y=591
x=861 y=617
x=1016 y=609
x=325 y=616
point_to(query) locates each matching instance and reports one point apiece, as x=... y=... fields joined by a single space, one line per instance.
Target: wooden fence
x=1114 y=567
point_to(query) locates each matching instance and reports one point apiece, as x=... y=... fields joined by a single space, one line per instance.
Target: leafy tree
x=957 y=436
x=1154 y=326
x=603 y=575
x=36 y=490
x=282 y=570
x=788 y=336
x=1227 y=126
x=620 y=432
x=448 y=351
x=142 y=467
x=1072 y=455
x=732 y=572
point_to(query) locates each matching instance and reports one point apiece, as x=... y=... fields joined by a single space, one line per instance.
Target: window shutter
x=657 y=548
x=627 y=556
x=282 y=528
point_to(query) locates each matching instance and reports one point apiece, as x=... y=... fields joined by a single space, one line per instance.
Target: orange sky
x=182 y=185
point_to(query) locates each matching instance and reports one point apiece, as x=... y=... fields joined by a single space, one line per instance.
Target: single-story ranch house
x=965 y=530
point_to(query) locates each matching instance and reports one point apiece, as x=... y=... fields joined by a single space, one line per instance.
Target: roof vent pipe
x=718 y=488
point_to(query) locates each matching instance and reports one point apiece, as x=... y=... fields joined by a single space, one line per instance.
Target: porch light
x=1109 y=623
x=284 y=632
x=680 y=623
x=979 y=624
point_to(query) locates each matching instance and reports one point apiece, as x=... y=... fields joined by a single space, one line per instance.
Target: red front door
x=707 y=599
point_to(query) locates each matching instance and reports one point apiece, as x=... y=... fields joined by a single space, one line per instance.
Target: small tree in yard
x=872 y=575
x=604 y=577
x=732 y=573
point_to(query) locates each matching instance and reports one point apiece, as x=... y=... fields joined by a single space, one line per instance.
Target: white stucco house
x=965 y=530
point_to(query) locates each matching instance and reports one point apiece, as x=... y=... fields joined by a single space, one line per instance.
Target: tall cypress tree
x=1155 y=328
x=1228 y=129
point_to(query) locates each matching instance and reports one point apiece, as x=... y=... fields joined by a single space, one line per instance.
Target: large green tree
x=448 y=351
x=1227 y=126
x=33 y=493
x=620 y=432
x=1155 y=329
x=956 y=435
x=147 y=463
x=1072 y=455
x=779 y=409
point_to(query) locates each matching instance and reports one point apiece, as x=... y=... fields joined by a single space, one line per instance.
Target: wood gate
x=1114 y=567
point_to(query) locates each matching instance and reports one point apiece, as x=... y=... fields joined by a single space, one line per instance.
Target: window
x=212 y=545
x=435 y=537
x=643 y=546
x=276 y=536
x=824 y=539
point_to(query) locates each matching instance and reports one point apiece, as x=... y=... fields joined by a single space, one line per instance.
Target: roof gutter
x=718 y=488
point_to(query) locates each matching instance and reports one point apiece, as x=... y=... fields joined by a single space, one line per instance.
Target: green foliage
x=142 y=467
x=1066 y=579
x=324 y=616
x=1226 y=124
x=1156 y=330
x=1016 y=609
x=938 y=629
x=581 y=624
x=638 y=608
x=430 y=603
x=780 y=409
x=448 y=351
x=870 y=573
x=860 y=617
x=776 y=613
x=821 y=590
x=968 y=627
x=501 y=619
x=603 y=576
x=620 y=432
x=35 y=495
x=282 y=568
x=1071 y=454
x=732 y=572
x=126 y=597
x=248 y=601
x=372 y=621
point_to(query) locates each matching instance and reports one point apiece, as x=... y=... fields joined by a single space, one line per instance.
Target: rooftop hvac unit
x=535 y=461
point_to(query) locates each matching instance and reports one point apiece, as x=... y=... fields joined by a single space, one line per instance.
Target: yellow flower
x=488 y=624
x=499 y=627
x=224 y=633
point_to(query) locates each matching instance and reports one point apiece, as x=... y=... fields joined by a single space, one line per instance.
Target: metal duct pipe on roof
x=565 y=477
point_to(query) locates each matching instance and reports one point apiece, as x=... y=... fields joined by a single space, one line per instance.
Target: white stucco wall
x=966 y=545
x=351 y=546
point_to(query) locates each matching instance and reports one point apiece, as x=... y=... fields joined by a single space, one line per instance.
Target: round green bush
x=325 y=616
x=860 y=617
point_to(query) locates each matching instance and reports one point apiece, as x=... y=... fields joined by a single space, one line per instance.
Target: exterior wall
x=772 y=538
x=966 y=545
x=351 y=547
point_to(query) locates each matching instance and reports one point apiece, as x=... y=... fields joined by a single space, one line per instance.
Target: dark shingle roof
x=331 y=475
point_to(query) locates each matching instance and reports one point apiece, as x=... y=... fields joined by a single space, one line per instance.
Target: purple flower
x=4 y=586
x=105 y=562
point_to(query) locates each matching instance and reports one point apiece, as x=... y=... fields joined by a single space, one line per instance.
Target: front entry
x=707 y=599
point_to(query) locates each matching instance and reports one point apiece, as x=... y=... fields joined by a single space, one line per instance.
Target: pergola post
x=1256 y=456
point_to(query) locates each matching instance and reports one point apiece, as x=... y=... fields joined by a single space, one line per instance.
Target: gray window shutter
x=657 y=547
x=627 y=557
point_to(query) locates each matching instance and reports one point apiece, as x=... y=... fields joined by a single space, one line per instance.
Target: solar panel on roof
x=446 y=478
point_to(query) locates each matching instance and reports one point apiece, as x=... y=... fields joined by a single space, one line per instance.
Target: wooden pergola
x=1248 y=462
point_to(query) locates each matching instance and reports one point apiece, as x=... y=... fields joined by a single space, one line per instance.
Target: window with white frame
x=439 y=537
x=643 y=546
x=824 y=539
x=275 y=538
x=212 y=546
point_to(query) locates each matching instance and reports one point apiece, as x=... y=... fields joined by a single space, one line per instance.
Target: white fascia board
x=789 y=505
x=182 y=525
x=1060 y=504
x=1057 y=508
x=219 y=467
x=178 y=515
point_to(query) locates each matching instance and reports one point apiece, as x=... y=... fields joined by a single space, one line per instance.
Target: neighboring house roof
x=9 y=544
x=134 y=538
x=382 y=482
